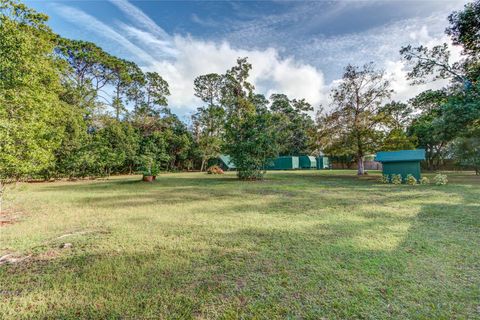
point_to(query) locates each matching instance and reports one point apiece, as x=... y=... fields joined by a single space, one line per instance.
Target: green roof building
x=284 y=163
x=307 y=162
x=323 y=162
x=403 y=162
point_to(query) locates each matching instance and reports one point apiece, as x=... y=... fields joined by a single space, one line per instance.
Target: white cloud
x=270 y=73
x=89 y=22
x=181 y=58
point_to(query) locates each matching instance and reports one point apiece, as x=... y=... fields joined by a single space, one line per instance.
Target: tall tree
x=30 y=110
x=250 y=136
x=354 y=124
x=208 y=121
x=295 y=126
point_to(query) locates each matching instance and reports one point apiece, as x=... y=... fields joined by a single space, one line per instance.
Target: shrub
x=411 y=180
x=385 y=179
x=440 y=179
x=396 y=178
x=215 y=170
x=424 y=180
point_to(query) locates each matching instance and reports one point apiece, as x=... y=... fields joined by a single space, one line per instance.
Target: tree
x=396 y=119
x=90 y=70
x=464 y=28
x=466 y=149
x=30 y=110
x=450 y=114
x=208 y=88
x=294 y=124
x=208 y=121
x=354 y=124
x=125 y=75
x=250 y=138
x=208 y=124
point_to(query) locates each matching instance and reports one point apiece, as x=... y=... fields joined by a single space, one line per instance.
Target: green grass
x=306 y=244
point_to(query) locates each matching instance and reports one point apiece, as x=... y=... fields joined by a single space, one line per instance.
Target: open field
x=305 y=244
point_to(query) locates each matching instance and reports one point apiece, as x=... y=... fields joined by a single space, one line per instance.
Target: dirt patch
x=8 y=217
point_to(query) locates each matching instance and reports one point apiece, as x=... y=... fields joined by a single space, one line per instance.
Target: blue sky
x=296 y=47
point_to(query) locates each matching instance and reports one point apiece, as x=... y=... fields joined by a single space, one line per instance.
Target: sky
x=295 y=47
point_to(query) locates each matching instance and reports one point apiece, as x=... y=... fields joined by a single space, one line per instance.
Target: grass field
x=304 y=244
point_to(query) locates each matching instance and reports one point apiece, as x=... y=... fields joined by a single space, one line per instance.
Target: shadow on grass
x=334 y=269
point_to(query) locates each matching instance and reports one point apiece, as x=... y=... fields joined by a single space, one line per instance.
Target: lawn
x=305 y=244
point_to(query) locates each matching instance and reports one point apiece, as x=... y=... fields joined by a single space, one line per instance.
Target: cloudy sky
x=296 y=47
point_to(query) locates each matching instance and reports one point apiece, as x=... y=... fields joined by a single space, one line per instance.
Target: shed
x=307 y=162
x=323 y=162
x=403 y=162
x=284 y=163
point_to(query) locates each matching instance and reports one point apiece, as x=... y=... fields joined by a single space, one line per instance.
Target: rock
x=66 y=245
x=6 y=258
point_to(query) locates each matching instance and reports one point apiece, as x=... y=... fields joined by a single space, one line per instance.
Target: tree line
x=70 y=109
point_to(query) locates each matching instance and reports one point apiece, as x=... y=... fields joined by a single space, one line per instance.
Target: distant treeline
x=70 y=109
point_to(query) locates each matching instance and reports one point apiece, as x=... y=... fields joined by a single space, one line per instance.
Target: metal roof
x=400 y=156
x=227 y=161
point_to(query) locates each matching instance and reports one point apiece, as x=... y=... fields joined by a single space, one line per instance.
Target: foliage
x=250 y=135
x=396 y=179
x=411 y=180
x=466 y=149
x=440 y=179
x=294 y=124
x=385 y=179
x=208 y=121
x=31 y=113
x=354 y=124
x=424 y=180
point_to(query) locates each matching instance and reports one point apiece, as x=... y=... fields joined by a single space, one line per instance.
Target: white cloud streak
x=179 y=59
x=89 y=22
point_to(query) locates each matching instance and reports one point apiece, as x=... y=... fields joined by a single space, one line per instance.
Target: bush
x=385 y=179
x=440 y=179
x=396 y=178
x=424 y=180
x=411 y=180
x=215 y=170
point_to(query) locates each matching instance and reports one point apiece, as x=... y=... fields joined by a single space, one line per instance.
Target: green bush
x=440 y=179
x=411 y=180
x=396 y=178
x=385 y=179
x=424 y=180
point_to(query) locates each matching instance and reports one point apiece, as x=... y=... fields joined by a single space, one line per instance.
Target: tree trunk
x=361 y=168
x=203 y=165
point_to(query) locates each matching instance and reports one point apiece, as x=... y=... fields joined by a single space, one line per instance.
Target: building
x=284 y=163
x=307 y=162
x=403 y=162
x=323 y=162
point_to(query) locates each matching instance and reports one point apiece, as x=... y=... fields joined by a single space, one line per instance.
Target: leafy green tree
x=354 y=125
x=466 y=149
x=250 y=136
x=90 y=71
x=126 y=75
x=294 y=124
x=450 y=114
x=208 y=121
x=30 y=110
